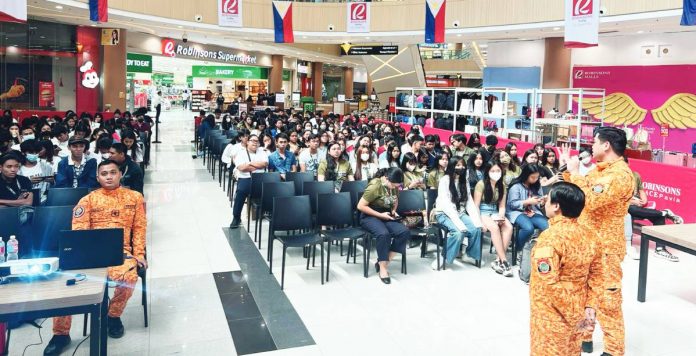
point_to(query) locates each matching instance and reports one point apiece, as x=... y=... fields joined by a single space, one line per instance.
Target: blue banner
x=689 y=14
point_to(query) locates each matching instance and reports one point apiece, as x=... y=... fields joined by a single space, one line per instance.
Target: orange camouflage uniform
x=608 y=190
x=565 y=279
x=118 y=208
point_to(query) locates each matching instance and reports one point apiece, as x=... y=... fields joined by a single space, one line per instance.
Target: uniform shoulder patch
x=543 y=266
x=79 y=211
x=598 y=189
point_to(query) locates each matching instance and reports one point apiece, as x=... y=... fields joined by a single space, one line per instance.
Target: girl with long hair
x=524 y=204
x=438 y=171
x=412 y=178
x=364 y=168
x=474 y=166
x=393 y=153
x=135 y=152
x=335 y=167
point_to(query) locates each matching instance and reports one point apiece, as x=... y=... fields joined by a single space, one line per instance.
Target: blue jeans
x=455 y=237
x=240 y=196
x=392 y=236
x=527 y=226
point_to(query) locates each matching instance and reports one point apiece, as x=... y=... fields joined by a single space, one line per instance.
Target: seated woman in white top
x=392 y=154
x=364 y=167
x=453 y=201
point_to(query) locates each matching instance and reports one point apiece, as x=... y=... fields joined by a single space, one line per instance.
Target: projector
x=35 y=267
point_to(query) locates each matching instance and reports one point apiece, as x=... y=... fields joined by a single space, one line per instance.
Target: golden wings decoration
x=679 y=111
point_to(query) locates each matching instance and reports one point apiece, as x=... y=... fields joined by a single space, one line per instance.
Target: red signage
x=582 y=7
x=168 y=47
x=230 y=7
x=664 y=130
x=47 y=94
x=392 y=104
x=358 y=11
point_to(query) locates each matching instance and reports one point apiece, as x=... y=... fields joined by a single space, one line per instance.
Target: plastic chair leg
x=282 y=273
x=328 y=259
x=144 y=287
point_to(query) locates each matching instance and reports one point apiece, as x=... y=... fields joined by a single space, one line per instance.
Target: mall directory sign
x=350 y=50
x=138 y=63
x=230 y=72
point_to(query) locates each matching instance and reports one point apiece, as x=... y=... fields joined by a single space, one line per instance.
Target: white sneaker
x=469 y=260
x=665 y=255
x=633 y=253
x=497 y=267
x=507 y=270
x=669 y=214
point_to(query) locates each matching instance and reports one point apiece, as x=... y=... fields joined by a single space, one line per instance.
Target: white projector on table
x=33 y=267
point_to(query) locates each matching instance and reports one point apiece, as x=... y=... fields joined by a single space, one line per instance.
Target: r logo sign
x=358 y=11
x=582 y=7
x=168 y=46
x=230 y=7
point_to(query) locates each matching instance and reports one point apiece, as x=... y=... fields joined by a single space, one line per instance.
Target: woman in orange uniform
x=566 y=276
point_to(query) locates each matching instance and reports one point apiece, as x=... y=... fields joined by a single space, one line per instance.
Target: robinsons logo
x=172 y=49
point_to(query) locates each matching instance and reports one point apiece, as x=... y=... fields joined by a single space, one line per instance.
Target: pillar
x=368 y=87
x=556 y=72
x=276 y=78
x=317 y=79
x=458 y=46
x=114 y=75
x=348 y=82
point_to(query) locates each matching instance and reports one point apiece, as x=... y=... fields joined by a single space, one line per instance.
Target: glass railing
x=446 y=54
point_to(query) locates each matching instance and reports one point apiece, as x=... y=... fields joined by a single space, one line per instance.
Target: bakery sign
x=174 y=48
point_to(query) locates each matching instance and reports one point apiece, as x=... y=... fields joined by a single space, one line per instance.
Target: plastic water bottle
x=12 y=249
x=2 y=250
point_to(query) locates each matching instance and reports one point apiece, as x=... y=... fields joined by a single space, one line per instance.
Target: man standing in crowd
x=563 y=296
x=608 y=191
x=112 y=206
x=282 y=160
x=76 y=170
x=15 y=190
x=157 y=104
x=185 y=98
x=248 y=160
x=131 y=174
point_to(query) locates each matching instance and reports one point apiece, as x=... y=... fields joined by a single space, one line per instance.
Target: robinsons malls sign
x=173 y=48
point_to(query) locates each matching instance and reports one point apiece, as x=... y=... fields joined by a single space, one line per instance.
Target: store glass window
x=37 y=66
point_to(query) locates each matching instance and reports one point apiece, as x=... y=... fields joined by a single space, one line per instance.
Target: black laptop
x=83 y=249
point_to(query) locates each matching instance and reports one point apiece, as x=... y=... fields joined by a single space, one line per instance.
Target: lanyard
x=19 y=188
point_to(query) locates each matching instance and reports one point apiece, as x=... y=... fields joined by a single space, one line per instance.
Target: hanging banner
x=110 y=36
x=435 y=21
x=13 y=11
x=282 y=22
x=47 y=94
x=581 y=23
x=230 y=13
x=689 y=13
x=358 y=17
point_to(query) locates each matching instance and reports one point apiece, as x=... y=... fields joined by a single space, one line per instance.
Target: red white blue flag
x=98 y=11
x=689 y=13
x=282 y=21
x=435 y=21
x=13 y=11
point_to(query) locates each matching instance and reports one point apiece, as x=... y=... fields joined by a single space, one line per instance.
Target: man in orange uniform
x=112 y=206
x=608 y=190
x=566 y=276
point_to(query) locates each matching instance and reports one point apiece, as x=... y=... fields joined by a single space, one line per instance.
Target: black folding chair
x=355 y=188
x=257 y=180
x=299 y=178
x=334 y=212
x=289 y=215
x=65 y=196
x=313 y=189
x=411 y=201
x=49 y=221
x=268 y=192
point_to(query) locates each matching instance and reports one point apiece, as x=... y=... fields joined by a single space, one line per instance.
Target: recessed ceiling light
x=59 y=7
x=556 y=28
x=93 y=25
x=641 y=31
x=304 y=36
x=459 y=35
x=180 y=26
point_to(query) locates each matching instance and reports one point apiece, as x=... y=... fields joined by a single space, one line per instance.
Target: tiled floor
x=461 y=311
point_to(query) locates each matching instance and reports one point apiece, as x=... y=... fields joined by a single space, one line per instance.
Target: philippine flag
x=98 y=10
x=13 y=11
x=689 y=13
x=282 y=22
x=435 y=21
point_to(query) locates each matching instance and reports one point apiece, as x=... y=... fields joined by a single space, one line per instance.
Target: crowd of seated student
x=63 y=152
x=500 y=189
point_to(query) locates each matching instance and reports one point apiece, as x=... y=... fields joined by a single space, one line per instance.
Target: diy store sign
x=173 y=48
x=231 y=72
x=138 y=63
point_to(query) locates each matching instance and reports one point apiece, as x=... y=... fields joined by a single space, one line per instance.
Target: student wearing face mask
x=451 y=207
x=39 y=173
x=586 y=164
x=506 y=163
x=102 y=149
x=490 y=196
x=438 y=172
x=412 y=178
x=364 y=167
x=27 y=133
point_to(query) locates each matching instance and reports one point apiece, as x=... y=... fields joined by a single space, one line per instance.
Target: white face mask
x=495 y=176
x=586 y=160
x=106 y=155
x=410 y=167
x=365 y=157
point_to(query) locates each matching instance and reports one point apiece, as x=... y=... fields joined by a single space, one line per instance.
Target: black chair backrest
x=410 y=200
x=312 y=189
x=65 y=196
x=257 y=180
x=334 y=209
x=432 y=196
x=299 y=178
x=36 y=197
x=49 y=221
x=9 y=222
x=276 y=189
x=355 y=188
x=291 y=213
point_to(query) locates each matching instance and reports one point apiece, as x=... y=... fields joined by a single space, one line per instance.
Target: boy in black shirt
x=15 y=190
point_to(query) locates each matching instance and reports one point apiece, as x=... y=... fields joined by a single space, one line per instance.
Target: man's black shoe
x=115 y=327
x=235 y=223
x=587 y=347
x=57 y=344
x=605 y=354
